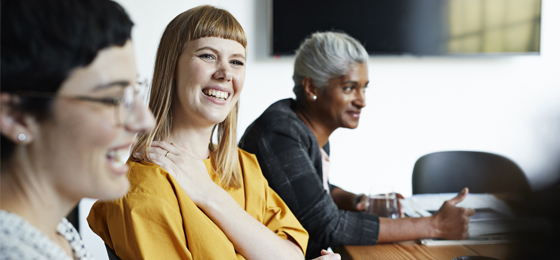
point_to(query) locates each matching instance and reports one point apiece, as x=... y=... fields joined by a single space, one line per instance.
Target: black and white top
x=22 y=241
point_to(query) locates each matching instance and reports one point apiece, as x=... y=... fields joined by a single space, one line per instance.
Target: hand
x=363 y=201
x=326 y=255
x=451 y=222
x=189 y=172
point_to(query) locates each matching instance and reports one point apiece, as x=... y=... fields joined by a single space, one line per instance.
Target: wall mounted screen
x=413 y=27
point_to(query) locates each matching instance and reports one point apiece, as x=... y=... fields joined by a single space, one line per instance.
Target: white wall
x=415 y=105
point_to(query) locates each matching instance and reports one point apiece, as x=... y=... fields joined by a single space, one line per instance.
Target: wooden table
x=413 y=250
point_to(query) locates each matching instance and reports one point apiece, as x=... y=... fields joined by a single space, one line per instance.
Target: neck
x=318 y=126
x=28 y=192
x=195 y=139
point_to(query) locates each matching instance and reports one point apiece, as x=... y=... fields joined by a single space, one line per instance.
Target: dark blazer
x=290 y=158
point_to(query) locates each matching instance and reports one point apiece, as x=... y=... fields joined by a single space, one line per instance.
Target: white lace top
x=22 y=241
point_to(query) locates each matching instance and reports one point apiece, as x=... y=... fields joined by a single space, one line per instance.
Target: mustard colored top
x=157 y=220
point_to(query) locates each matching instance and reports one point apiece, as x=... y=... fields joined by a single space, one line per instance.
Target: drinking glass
x=382 y=202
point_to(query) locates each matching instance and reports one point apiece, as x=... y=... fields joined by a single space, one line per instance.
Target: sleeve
x=266 y=206
x=130 y=228
x=286 y=164
x=280 y=219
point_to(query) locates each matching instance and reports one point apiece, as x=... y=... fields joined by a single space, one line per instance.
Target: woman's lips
x=217 y=93
x=116 y=159
x=355 y=114
x=221 y=95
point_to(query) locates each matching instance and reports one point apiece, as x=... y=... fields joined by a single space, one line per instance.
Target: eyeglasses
x=124 y=105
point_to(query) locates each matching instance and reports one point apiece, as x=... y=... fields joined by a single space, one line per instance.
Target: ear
x=311 y=91
x=14 y=124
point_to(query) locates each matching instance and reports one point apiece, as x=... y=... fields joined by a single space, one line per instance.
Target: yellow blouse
x=157 y=220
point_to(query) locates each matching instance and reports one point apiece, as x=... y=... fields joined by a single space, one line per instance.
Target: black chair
x=111 y=253
x=481 y=172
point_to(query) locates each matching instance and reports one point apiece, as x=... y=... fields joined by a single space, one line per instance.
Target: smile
x=117 y=158
x=355 y=114
x=216 y=93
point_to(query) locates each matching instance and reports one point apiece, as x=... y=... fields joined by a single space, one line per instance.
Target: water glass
x=384 y=204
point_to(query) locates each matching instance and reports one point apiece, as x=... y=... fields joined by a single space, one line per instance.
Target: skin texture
x=212 y=62
x=338 y=105
x=64 y=158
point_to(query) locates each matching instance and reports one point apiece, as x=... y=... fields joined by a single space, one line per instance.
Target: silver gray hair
x=326 y=55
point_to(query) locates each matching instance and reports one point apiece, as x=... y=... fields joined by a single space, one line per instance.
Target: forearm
x=250 y=237
x=343 y=199
x=393 y=230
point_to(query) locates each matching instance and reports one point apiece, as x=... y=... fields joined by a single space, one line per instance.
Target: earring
x=22 y=137
x=314 y=97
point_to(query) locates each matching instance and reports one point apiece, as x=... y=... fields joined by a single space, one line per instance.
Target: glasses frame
x=116 y=101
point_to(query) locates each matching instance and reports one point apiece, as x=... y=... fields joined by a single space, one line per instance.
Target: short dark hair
x=44 y=40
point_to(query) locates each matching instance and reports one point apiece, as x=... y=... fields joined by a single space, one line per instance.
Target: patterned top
x=22 y=241
x=290 y=159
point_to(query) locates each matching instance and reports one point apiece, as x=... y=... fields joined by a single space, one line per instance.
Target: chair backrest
x=481 y=172
x=111 y=253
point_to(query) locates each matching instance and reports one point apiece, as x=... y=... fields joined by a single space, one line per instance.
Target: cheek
x=239 y=81
x=87 y=130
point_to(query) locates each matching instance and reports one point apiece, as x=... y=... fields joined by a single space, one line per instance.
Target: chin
x=216 y=119
x=115 y=190
x=351 y=126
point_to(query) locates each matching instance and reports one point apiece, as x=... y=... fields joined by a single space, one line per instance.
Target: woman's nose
x=360 y=100
x=141 y=120
x=223 y=71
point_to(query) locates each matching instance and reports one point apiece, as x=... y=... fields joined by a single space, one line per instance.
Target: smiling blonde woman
x=190 y=198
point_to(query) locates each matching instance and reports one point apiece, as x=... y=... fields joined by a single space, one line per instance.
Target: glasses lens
x=125 y=109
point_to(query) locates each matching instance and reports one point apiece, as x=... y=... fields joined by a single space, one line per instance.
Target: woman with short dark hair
x=70 y=111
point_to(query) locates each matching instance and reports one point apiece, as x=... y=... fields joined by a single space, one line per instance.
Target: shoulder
x=277 y=120
x=250 y=167
x=149 y=184
x=278 y=116
x=248 y=161
x=147 y=177
x=21 y=240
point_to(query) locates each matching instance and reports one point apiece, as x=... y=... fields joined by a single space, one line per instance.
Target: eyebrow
x=120 y=83
x=354 y=82
x=214 y=50
x=350 y=81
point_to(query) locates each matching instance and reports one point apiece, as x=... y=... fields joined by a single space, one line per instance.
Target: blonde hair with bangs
x=195 y=23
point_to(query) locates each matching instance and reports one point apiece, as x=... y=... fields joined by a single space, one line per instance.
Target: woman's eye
x=206 y=56
x=237 y=62
x=347 y=88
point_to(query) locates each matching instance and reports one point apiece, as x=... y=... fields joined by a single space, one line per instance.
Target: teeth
x=118 y=157
x=217 y=94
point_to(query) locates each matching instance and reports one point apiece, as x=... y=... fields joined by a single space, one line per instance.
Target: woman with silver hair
x=291 y=142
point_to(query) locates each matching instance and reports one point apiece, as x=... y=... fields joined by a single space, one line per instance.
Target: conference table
x=414 y=250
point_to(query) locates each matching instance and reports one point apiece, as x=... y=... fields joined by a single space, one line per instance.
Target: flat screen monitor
x=413 y=27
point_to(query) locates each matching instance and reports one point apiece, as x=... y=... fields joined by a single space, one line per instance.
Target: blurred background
x=507 y=104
